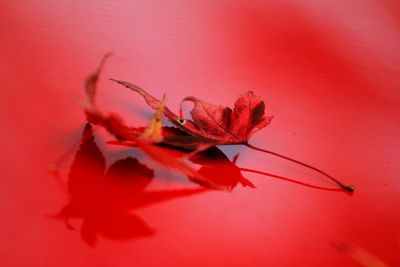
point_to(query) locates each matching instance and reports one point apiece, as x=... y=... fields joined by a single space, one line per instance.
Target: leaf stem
x=341 y=185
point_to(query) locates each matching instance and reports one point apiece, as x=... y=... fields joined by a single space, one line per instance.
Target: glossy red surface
x=327 y=71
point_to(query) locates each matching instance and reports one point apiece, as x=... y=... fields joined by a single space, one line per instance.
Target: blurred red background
x=327 y=70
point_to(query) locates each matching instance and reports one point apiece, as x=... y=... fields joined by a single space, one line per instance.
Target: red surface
x=328 y=72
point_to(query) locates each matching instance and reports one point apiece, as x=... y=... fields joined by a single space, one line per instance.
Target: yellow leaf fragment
x=154 y=129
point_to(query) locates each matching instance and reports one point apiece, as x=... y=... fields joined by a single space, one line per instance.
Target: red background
x=327 y=70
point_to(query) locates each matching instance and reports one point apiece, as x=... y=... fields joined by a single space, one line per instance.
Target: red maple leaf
x=216 y=125
x=213 y=124
x=210 y=125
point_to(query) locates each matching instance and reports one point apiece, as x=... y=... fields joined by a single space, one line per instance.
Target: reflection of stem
x=290 y=180
x=344 y=187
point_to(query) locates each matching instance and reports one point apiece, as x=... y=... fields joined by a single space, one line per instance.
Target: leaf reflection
x=104 y=198
x=215 y=171
x=219 y=170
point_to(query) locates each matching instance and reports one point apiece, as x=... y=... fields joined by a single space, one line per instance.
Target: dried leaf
x=214 y=124
x=210 y=125
x=227 y=126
